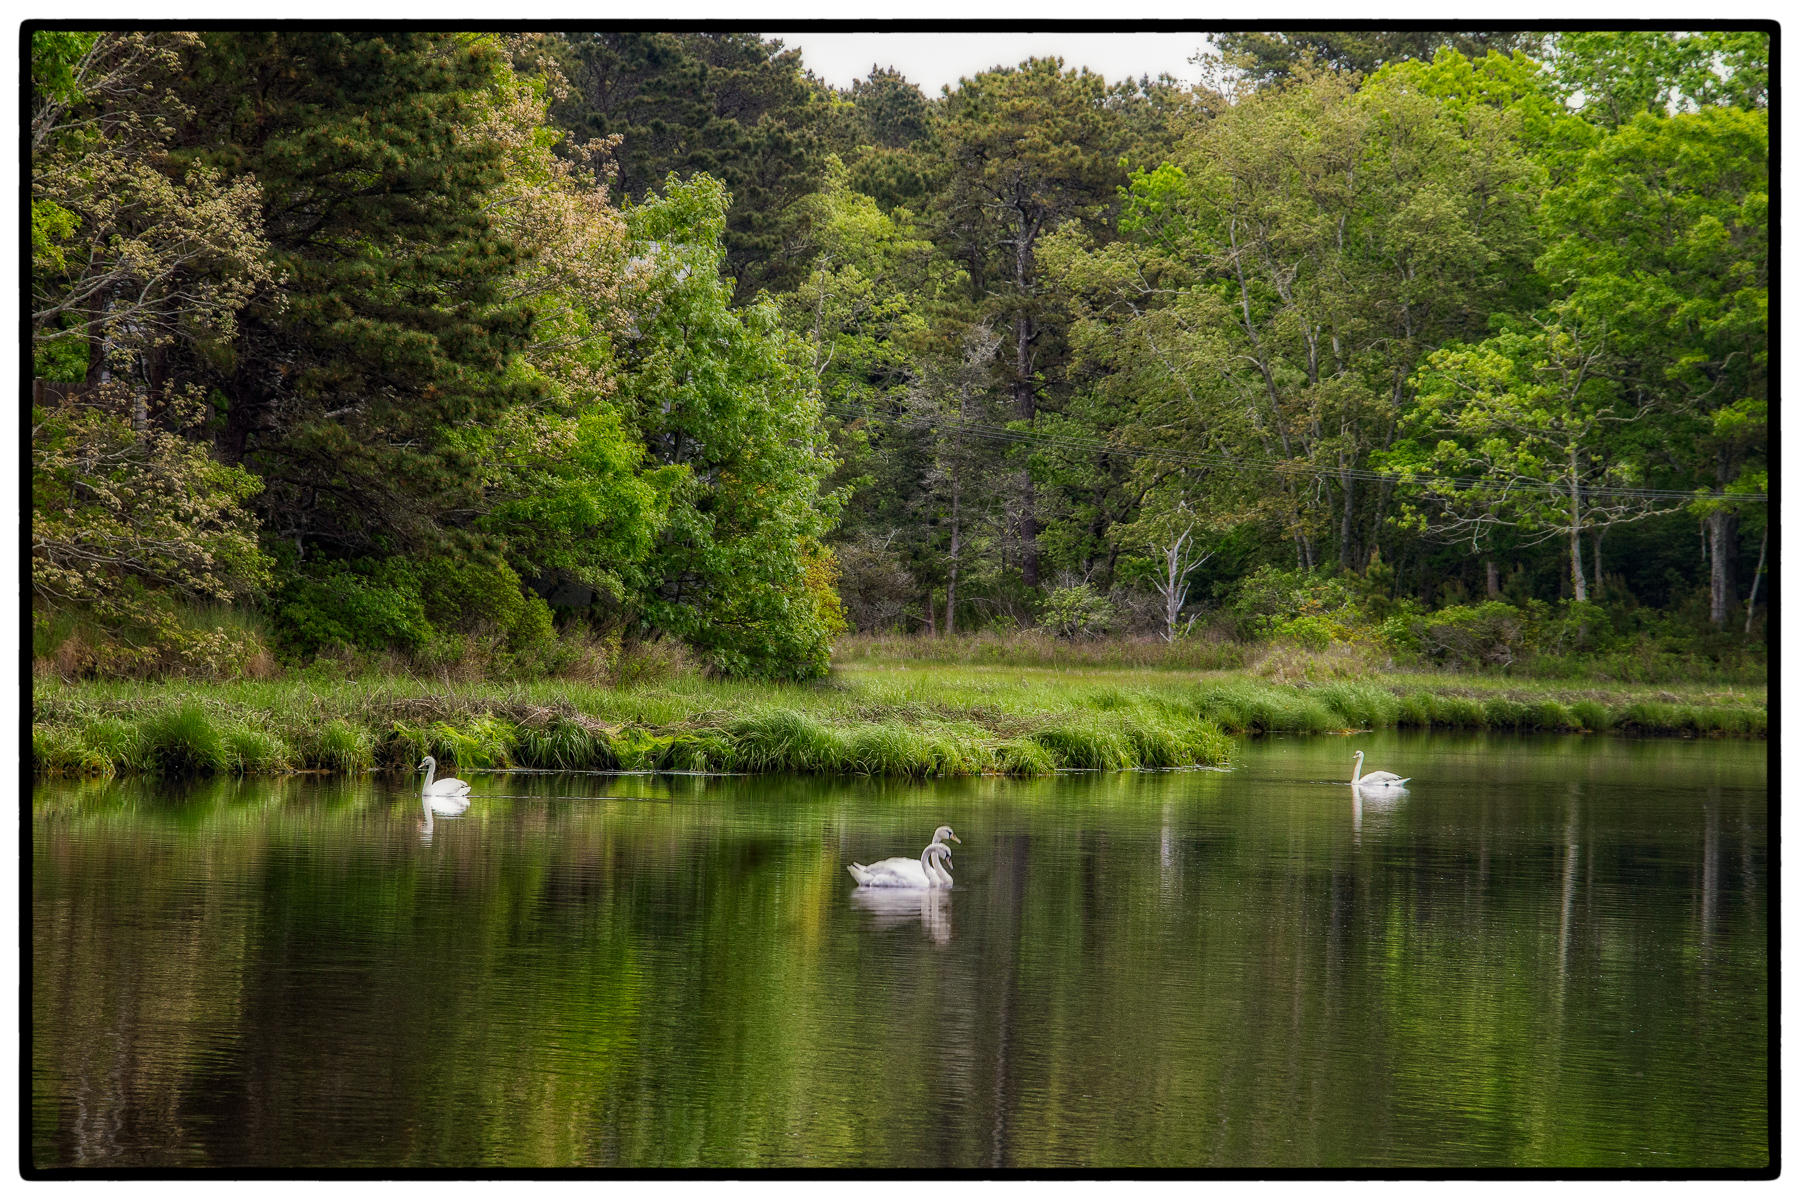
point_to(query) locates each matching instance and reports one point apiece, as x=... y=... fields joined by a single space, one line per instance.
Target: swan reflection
x=428 y=824
x=895 y=908
x=1375 y=799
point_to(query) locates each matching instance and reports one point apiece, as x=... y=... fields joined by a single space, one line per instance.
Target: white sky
x=936 y=60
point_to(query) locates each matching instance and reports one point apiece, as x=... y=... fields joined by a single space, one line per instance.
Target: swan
x=448 y=797
x=1373 y=778
x=931 y=869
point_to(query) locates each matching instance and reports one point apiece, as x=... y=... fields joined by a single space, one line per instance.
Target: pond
x=1547 y=952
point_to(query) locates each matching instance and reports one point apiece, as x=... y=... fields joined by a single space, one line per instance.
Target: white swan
x=930 y=869
x=1373 y=778
x=449 y=797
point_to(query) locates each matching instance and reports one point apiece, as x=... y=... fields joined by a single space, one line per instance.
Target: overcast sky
x=935 y=60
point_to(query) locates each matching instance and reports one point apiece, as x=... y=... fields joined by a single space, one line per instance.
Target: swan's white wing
x=1381 y=779
x=447 y=787
x=891 y=872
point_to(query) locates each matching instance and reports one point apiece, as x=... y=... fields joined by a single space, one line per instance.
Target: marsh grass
x=905 y=720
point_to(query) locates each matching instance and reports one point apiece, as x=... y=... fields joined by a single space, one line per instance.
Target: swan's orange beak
x=956 y=839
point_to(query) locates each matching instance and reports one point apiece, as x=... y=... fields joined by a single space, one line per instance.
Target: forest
x=514 y=355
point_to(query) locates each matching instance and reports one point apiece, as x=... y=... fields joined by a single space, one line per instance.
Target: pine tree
x=390 y=320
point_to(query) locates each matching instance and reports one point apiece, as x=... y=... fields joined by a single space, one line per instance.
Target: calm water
x=1548 y=952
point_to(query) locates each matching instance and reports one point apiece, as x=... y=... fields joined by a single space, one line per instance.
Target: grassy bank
x=869 y=719
x=905 y=728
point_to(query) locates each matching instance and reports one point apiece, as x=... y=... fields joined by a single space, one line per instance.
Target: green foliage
x=718 y=396
x=183 y=741
x=734 y=106
x=1076 y=612
x=1489 y=634
x=1267 y=59
x=396 y=335
x=371 y=603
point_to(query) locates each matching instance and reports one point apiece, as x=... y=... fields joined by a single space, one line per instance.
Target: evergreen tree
x=390 y=321
x=735 y=106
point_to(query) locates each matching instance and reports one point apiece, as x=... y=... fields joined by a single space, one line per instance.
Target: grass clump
x=707 y=751
x=1592 y=714
x=563 y=744
x=339 y=746
x=1086 y=745
x=1268 y=708
x=59 y=750
x=1024 y=757
x=255 y=751
x=784 y=740
x=183 y=741
x=1362 y=705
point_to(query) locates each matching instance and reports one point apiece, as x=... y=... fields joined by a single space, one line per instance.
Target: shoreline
x=888 y=720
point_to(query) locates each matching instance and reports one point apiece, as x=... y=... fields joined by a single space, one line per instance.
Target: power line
x=1086 y=445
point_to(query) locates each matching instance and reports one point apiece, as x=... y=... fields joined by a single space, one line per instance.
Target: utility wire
x=997 y=433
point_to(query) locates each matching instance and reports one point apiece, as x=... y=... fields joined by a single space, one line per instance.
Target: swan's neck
x=1356 y=769
x=430 y=774
x=928 y=863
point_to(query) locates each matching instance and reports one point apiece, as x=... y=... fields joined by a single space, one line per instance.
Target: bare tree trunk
x=1173 y=592
x=1721 y=535
x=1493 y=579
x=1761 y=558
x=1575 y=573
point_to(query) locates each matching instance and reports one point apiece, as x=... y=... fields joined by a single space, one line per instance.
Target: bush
x=1270 y=597
x=366 y=603
x=1488 y=634
x=1077 y=612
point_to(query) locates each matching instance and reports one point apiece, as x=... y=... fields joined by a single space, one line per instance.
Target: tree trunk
x=1761 y=558
x=955 y=556
x=1493 y=579
x=1024 y=400
x=1721 y=535
x=1028 y=529
x=1173 y=593
x=1576 y=576
x=1348 y=484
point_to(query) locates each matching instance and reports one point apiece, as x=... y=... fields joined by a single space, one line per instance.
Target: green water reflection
x=1547 y=952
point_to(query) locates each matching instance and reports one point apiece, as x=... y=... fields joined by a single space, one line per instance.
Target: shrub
x=1271 y=597
x=1489 y=634
x=1077 y=612
x=367 y=603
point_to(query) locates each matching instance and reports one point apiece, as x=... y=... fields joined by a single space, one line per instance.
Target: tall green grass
x=901 y=720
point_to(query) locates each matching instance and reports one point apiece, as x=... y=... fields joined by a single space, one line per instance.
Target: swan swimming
x=448 y=797
x=931 y=869
x=1373 y=778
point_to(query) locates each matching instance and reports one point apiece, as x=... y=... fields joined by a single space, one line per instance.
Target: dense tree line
x=420 y=343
